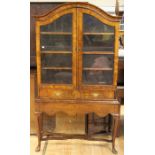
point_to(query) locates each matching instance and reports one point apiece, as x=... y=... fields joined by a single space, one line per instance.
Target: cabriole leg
x=39 y=129
x=114 y=132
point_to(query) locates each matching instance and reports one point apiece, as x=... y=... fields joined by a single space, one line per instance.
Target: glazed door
x=56 y=50
x=56 y=54
x=97 y=50
x=97 y=55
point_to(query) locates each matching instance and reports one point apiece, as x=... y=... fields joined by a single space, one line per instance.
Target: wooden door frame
x=80 y=12
x=45 y=21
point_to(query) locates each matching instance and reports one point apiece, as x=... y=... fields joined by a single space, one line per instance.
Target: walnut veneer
x=77 y=65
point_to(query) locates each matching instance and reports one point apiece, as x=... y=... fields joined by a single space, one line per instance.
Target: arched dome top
x=82 y=5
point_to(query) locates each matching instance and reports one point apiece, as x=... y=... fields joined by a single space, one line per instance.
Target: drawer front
x=59 y=94
x=75 y=94
x=97 y=95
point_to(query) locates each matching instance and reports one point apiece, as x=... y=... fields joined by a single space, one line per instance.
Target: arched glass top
x=92 y=24
x=62 y=24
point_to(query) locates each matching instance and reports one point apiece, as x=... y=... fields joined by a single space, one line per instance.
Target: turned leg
x=118 y=128
x=39 y=129
x=114 y=132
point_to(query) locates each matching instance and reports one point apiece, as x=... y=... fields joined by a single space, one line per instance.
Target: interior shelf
x=57 y=33
x=57 y=68
x=56 y=52
x=55 y=48
x=98 y=69
x=98 y=33
x=102 y=52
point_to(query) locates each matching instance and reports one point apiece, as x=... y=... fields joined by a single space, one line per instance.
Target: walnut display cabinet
x=77 y=65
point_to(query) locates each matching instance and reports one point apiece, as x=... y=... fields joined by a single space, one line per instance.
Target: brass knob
x=95 y=94
x=57 y=93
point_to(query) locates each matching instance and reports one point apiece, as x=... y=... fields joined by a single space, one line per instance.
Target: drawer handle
x=95 y=94
x=57 y=93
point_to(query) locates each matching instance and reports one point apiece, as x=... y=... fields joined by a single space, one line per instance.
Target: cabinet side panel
x=32 y=101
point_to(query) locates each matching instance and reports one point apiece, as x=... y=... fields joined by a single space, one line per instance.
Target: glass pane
x=56 y=51
x=98 y=61
x=56 y=60
x=98 y=43
x=97 y=77
x=56 y=76
x=91 y=24
x=98 y=37
x=56 y=42
x=63 y=24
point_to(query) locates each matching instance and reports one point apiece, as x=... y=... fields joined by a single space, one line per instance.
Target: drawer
x=75 y=94
x=97 y=95
x=57 y=94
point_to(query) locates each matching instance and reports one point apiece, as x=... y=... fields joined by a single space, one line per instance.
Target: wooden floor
x=75 y=146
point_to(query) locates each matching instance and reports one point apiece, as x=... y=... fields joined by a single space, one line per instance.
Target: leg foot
x=37 y=148
x=114 y=151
